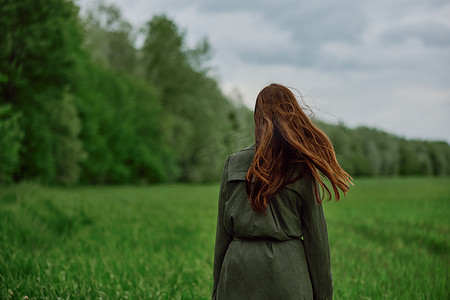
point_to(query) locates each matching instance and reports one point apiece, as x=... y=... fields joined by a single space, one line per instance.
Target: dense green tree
x=38 y=46
x=409 y=164
x=123 y=130
x=164 y=60
x=440 y=157
x=364 y=153
x=68 y=148
x=110 y=39
x=200 y=112
x=10 y=143
x=423 y=158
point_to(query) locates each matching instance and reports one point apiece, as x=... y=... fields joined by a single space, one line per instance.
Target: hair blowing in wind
x=285 y=138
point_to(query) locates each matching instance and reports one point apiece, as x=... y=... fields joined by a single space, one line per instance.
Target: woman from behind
x=271 y=238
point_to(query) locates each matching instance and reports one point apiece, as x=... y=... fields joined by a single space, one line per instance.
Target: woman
x=271 y=239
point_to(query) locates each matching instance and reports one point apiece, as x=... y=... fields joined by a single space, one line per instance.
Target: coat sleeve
x=222 y=236
x=317 y=250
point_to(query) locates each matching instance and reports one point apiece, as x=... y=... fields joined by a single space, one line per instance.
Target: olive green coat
x=281 y=255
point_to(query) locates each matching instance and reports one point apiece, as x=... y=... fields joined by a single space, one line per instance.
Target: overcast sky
x=383 y=64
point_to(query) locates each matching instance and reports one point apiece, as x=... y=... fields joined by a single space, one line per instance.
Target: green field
x=390 y=239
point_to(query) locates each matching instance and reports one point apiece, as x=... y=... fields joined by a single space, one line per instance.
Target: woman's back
x=267 y=256
x=281 y=221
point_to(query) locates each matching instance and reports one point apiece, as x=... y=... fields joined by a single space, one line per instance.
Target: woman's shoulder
x=240 y=161
x=250 y=150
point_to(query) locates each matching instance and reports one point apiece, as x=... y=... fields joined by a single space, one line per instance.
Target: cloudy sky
x=383 y=64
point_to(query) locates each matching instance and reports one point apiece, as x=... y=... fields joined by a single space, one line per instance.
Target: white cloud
x=244 y=33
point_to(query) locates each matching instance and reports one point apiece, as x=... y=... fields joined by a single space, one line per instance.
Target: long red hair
x=285 y=138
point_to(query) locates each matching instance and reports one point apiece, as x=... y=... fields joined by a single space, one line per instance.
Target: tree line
x=370 y=152
x=80 y=103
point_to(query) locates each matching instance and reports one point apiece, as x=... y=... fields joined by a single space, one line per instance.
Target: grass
x=389 y=240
